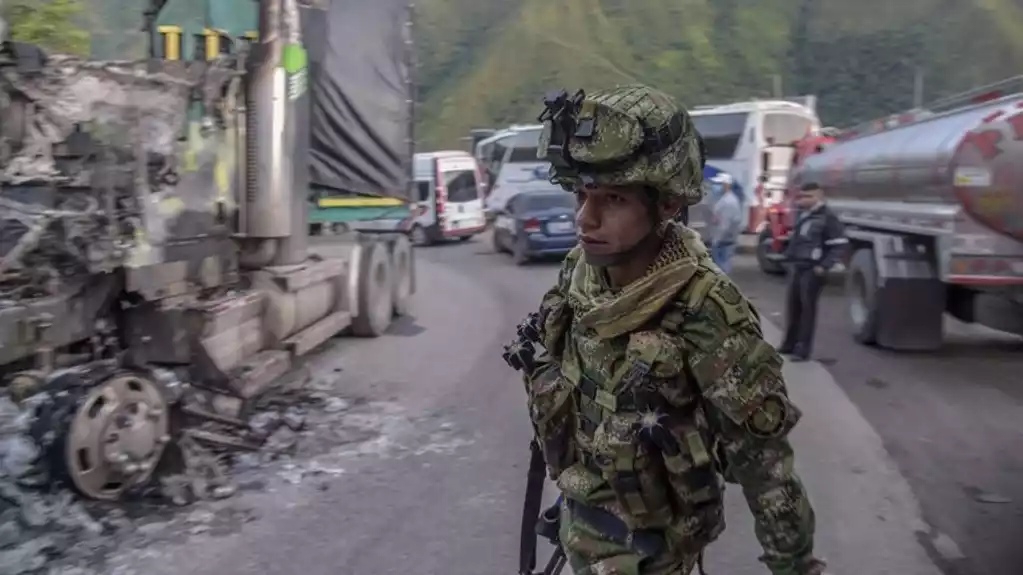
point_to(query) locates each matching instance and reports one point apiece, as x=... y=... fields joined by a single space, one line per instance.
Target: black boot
x=799 y=355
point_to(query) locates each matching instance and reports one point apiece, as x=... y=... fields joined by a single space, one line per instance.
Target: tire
x=861 y=295
x=767 y=266
x=401 y=268
x=520 y=254
x=496 y=243
x=419 y=236
x=375 y=291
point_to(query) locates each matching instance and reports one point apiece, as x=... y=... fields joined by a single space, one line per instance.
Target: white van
x=450 y=198
x=738 y=135
x=509 y=159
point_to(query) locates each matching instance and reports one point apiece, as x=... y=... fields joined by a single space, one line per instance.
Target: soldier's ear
x=670 y=207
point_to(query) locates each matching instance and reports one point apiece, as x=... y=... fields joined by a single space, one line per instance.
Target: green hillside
x=486 y=62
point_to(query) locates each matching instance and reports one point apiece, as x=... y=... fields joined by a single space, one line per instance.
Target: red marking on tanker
x=990 y=117
x=986 y=143
x=1016 y=121
x=835 y=171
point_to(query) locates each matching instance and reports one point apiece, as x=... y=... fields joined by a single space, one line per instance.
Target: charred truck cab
x=155 y=266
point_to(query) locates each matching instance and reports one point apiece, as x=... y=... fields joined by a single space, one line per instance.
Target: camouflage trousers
x=591 y=553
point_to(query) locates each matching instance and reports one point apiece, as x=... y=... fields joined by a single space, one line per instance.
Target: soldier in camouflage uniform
x=656 y=384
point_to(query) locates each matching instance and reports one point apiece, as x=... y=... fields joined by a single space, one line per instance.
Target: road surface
x=436 y=488
x=952 y=420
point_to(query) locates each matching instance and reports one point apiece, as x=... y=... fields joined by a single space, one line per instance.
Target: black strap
x=635 y=399
x=531 y=509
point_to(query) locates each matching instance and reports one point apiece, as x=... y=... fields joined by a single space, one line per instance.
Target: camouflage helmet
x=625 y=136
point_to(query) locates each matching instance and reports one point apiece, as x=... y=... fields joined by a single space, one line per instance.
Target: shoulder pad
x=695 y=292
x=710 y=285
x=733 y=305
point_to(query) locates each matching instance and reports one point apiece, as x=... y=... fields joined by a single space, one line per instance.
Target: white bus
x=738 y=135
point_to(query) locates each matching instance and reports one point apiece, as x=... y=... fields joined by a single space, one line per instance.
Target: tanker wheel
x=764 y=248
x=110 y=436
x=401 y=264
x=376 y=291
x=861 y=293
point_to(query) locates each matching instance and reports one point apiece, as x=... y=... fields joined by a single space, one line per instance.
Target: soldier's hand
x=805 y=566
x=819 y=270
x=815 y=567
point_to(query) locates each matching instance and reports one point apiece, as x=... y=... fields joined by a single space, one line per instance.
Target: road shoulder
x=868 y=520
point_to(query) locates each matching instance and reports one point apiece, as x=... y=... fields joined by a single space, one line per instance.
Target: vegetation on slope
x=487 y=62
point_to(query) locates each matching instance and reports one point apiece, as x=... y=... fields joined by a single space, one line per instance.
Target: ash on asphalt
x=312 y=430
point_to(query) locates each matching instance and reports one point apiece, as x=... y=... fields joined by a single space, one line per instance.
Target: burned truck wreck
x=155 y=272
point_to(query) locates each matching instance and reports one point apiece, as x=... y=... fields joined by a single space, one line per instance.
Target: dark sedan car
x=536 y=222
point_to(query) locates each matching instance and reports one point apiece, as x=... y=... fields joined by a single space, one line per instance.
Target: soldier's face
x=611 y=220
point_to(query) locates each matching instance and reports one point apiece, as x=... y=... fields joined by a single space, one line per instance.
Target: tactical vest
x=658 y=457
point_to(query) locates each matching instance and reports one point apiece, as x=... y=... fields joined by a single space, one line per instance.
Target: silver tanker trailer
x=933 y=204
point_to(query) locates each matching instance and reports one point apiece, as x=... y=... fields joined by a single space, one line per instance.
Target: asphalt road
x=438 y=489
x=952 y=420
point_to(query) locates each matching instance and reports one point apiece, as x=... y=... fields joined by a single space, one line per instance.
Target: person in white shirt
x=727 y=215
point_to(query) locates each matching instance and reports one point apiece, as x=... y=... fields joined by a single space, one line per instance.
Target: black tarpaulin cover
x=360 y=57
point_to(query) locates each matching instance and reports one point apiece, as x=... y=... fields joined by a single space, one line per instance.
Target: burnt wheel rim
x=117 y=436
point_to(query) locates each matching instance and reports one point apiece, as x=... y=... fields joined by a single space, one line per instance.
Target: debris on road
x=303 y=434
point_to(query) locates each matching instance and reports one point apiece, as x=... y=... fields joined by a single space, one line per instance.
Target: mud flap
x=910 y=314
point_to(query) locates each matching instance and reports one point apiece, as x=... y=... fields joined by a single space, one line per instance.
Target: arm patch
x=773 y=418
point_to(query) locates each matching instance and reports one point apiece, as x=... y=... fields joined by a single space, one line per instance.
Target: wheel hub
x=117 y=436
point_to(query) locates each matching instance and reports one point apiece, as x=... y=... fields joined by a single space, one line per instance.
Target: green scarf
x=614 y=313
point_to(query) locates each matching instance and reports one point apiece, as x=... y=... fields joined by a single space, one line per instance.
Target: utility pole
x=776 y=85
x=918 y=87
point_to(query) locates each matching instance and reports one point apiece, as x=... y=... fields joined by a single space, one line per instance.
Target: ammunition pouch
x=657 y=457
x=552 y=411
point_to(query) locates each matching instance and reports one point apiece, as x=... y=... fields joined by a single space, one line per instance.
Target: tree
x=50 y=24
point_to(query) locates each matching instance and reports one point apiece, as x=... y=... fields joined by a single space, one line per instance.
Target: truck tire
x=375 y=291
x=495 y=241
x=520 y=252
x=861 y=293
x=420 y=236
x=401 y=264
x=768 y=266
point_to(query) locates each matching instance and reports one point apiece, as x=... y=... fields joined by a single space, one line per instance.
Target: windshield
x=783 y=129
x=461 y=186
x=523 y=156
x=523 y=145
x=533 y=202
x=721 y=133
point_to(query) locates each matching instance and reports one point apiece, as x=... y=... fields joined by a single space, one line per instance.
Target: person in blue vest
x=727 y=216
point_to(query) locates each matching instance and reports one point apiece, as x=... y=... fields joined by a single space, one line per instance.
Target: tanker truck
x=156 y=275
x=932 y=201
